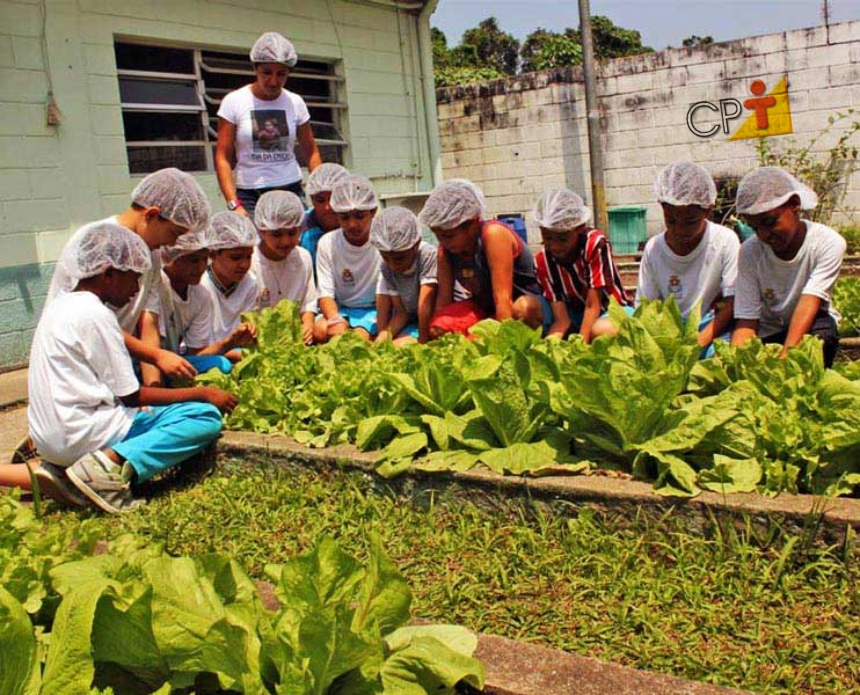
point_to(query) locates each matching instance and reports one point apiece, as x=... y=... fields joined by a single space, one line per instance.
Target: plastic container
x=627 y=229
x=517 y=223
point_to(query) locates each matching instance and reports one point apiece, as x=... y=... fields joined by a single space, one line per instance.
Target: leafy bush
x=640 y=402
x=846 y=300
x=851 y=234
x=135 y=620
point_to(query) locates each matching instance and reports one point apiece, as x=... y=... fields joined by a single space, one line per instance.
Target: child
x=575 y=268
x=165 y=205
x=694 y=260
x=348 y=264
x=233 y=289
x=406 y=292
x=487 y=258
x=187 y=307
x=786 y=272
x=86 y=411
x=321 y=218
x=284 y=271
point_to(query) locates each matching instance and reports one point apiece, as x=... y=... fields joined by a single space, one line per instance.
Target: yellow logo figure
x=771 y=114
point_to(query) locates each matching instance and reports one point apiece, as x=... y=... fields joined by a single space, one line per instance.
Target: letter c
x=692 y=127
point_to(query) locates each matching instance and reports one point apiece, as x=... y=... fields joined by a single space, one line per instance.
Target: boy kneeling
x=786 y=272
x=85 y=413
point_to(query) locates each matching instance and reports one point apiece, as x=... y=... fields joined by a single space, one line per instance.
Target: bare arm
x=499 y=248
x=561 y=320
x=243 y=335
x=149 y=334
x=150 y=395
x=383 y=317
x=225 y=156
x=445 y=280
x=399 y=316
x=591 y=313
x=720 y=323
x=745 y=329
x=308 y=144
x=168 y=363
x=426 y=301
x=801 y=321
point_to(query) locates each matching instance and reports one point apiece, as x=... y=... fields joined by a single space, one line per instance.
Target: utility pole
x=595 y=149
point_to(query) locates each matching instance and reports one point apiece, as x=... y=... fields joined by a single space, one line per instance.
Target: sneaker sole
x=50 y=485
x=91 y=494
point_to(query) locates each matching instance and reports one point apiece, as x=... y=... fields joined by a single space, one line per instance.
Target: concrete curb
x=828 y=520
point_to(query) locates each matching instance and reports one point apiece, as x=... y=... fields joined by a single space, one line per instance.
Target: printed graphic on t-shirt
x=270 y=134
x=348 y=277
x=675 y=286
x=769 y=296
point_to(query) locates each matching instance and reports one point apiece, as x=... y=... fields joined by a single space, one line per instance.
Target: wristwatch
x=234 y=204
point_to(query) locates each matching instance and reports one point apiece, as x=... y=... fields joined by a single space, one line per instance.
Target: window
x=170 y=98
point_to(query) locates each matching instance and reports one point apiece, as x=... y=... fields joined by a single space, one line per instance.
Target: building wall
x=520 y=136
x=55 y=178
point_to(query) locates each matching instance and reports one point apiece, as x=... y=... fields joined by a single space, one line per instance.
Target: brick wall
x=520 y=136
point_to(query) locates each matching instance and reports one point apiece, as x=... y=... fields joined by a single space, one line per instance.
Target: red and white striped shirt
x=592 y=267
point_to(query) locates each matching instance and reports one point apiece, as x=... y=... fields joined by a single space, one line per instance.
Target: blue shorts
x=576 y=315
x=203 y=363
x=360 y=317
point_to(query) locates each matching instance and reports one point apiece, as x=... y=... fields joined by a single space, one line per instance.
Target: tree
x=459 y=65
x=611 y=41
x=488 y=46
x=694 y=40
x=544 y=49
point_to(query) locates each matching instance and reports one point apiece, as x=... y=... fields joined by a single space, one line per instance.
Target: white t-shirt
x=227 y=310
x=708 y=273
x=291 y=278
x=769 y=288
x=346 y=273
x=265 y=136
x=185 y=323
x=408 y=286
x=79 y=369
x=145 y=300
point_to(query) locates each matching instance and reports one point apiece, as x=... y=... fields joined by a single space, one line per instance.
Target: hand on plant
x=225 y=402
x=244 y=335
x=173 y=365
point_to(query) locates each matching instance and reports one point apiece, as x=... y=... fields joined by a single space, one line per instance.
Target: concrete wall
x=55 y=178
x=519 y=136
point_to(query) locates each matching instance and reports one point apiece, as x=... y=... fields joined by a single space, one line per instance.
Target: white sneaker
x=100 y=479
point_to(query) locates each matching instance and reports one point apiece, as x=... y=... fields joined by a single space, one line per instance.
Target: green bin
x=627 y=229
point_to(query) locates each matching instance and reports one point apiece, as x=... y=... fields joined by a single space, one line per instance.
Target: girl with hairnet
x=283 y=270
x=348 y=264
x=164 y=205
x=486 y=257
x=86 y=413
x=234 y=290
x=786 y=272
x=406 y=291
x=694 y=260
x=575 y=268
x=258 y=127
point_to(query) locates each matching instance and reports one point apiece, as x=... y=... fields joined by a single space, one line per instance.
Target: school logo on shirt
x=270 y=135
x=675 y=286
x=769 y=296
x=265 y=296
x=347 y=277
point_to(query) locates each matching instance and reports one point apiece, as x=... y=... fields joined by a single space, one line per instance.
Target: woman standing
x=258 y=126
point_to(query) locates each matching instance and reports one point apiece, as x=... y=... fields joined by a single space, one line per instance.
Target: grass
x=739 y=609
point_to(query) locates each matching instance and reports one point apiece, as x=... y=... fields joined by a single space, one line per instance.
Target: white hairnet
x=561 y=209
x=231 y=230
x=767 y=188
x=186 y=244
x=355 y=192
x=395 y=229
x=452 y=203
x=109 y=245
x=271 y=47
x=325 y=177
x=685 y=183
x=278 y=210
x=177 y=195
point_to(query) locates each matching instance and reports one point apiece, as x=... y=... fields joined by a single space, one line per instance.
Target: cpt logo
x=770 y=115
